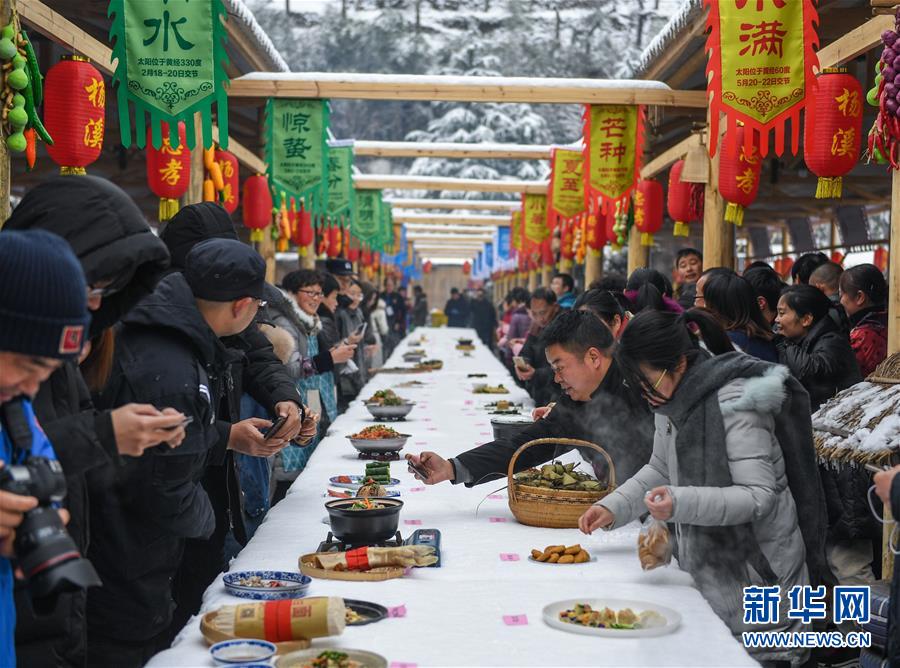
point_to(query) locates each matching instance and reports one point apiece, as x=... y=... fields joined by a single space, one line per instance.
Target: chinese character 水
x=163 y=25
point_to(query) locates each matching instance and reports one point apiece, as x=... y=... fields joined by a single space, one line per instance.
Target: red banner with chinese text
x=761 y=58
x=566 y=190
x=613 y=145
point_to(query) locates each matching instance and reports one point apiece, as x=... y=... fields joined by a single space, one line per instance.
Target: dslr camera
x=44 y=550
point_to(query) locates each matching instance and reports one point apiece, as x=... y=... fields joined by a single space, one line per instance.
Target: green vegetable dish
x=559 y=476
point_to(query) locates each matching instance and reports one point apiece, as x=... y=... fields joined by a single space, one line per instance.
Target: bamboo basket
x=308 y=567
x=554 y=508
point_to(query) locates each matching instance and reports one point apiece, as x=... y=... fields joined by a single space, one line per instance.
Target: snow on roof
x=860 y=423
x=240 y=14
x=443 y=80
x=689 y=10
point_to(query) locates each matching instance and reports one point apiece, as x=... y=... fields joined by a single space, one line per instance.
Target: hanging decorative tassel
x=167 y=208
x=829 y=187
x=681 y=229
x=734 y=213
x=646 y=239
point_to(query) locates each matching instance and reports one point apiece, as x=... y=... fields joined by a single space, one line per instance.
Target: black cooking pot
x=364 y=527
x=508 y=428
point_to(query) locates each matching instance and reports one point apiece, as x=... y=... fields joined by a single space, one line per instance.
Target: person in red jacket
x=864 y=295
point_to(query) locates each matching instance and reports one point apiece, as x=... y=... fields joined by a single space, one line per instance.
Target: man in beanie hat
x=170 y=351
x=43 y=321
x=122 y=261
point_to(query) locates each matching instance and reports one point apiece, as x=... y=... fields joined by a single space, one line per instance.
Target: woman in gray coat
x=733 y=468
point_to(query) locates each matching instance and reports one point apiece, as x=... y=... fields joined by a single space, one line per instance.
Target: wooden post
x=894 y=291
x=5 y=167
x=593 y=266
x=307 y=261
x=546 y=275
x=194 y=192
x=532 y=280
x=638 y=255
x=887 y=557
x=718 y=235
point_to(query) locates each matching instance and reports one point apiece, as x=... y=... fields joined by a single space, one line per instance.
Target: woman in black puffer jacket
x=820 y=357
x=122 y=261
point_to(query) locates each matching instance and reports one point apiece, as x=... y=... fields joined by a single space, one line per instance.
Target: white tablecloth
x=455 y=613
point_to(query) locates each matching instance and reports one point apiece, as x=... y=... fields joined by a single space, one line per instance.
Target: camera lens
x=48 y=555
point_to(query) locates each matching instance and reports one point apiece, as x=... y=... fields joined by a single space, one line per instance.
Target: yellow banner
x=567 y=183
x=612 y=160
x=535 y=223
x=515 y=233
x=761 y=58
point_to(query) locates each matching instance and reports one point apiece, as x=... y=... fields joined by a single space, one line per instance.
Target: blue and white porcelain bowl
x=290 y=585
x=242 y=651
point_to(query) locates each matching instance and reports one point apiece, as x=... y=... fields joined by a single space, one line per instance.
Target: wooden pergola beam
x=429 y=88
x=437 y=219
x=445 y=227
x=669 y=157
x=400 y=149
x=461 y=204
x=856 y=42
x=68 y=35
x=395 y=182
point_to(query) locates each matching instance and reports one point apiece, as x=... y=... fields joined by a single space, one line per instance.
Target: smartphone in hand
x=275 y=428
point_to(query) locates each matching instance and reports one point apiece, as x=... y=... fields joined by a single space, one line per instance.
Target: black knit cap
x=193 y=224
x=222 y=270
x=339 y=267
x=43 y=296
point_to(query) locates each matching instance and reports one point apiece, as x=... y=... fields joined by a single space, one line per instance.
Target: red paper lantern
x=609 y=227
x=567 y=239
x=547 y=258
x=783 y=266
x=335 y=241
x=739 y=168
x=648 y=210
x=679 y=201
x=426 y=267
x=881 y=258
x=257 y=200
x=169 y=170
x=366 y=257
x=467 y=268
x=832 y=136
x=596 y=232
x=230 y=195
x=352 y=249
x=837 y=257
x=74 y=113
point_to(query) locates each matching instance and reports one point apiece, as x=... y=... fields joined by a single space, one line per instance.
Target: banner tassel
x=681 y=229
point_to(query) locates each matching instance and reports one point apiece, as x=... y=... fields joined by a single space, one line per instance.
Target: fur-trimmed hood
x=760 y=394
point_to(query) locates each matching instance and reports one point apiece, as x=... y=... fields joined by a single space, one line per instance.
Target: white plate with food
x=612 y=618
x=354 y=481
x=331 y=658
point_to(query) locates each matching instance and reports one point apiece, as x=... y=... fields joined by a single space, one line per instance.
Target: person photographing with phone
x=170 y=352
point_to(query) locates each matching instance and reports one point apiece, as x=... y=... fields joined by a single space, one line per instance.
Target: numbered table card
x=515 y=620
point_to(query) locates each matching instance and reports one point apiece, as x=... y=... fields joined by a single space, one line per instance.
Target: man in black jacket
x=484 y=318
x=259 y=374
x=536 y=375
x=597 y=407
x=171 y=352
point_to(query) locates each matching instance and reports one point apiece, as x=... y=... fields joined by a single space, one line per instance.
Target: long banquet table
x=460 y=614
